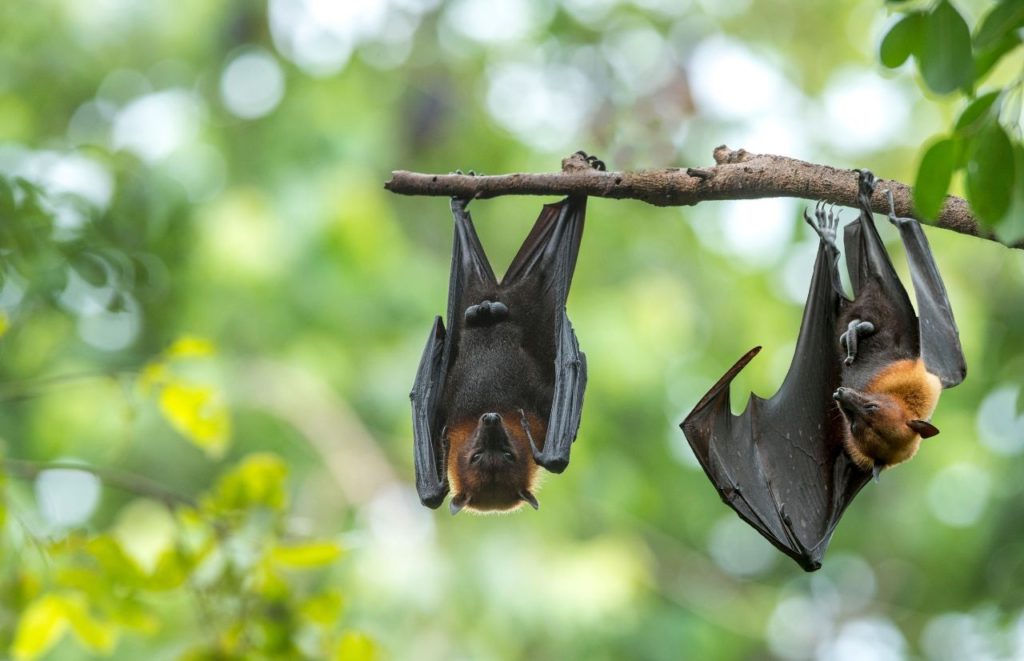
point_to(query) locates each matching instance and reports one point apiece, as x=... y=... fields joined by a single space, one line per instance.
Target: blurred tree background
x=212 y=307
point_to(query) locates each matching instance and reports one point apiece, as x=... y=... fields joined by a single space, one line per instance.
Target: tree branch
x=737 y=175
x=134 y=484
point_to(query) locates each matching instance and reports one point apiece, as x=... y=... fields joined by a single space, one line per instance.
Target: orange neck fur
x=902 y=392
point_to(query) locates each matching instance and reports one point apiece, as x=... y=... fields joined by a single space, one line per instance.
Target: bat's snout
x=492 y=437
x=840 y=394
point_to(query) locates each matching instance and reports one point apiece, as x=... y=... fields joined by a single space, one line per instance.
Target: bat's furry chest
x=495 y=371
x=890 y=341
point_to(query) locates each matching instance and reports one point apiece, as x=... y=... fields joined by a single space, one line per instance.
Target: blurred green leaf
x=258 y=480
x=902 y=40
x=1004 y=18
x=1011 y=230
x=323 y=609
x=356 y=647
x=933 y=177
x=94 y=634
x=991 y=173
x=977 y=113
x=986 y=58
x=91 y=268
x=945 y=60
x=307 y=555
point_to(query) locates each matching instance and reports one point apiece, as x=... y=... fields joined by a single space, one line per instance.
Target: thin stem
x=135 y=484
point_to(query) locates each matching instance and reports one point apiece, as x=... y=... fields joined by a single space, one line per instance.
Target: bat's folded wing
x=780 y=464
x=471 y=276
x=428 y=455
x=940 y=339
x=548 y=256
x=567 y=403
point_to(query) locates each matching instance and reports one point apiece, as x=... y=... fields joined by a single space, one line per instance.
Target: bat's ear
x=459 y=501
x=923 y=427
x=528 y=496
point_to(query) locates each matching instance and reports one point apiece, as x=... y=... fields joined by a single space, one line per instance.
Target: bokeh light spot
x=252 y=84
x=958 y=494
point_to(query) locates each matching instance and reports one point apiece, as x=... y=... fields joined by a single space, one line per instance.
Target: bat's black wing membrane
x=940 y=339
x=780 y=464
x=548 y=258
x=471 y=275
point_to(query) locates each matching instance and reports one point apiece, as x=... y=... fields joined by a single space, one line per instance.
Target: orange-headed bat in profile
x=864 y=381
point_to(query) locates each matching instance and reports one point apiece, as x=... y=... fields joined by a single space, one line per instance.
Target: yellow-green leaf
x=258 y=480
x=323 y=609
x=191 y=346
x=355 y=646
x=153 y=375
x=199 y=414
x=144 y=530
x=94 y=634
x=306 y=556
x=40 y=627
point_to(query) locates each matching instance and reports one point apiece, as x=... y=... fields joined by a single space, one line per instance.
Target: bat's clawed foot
x=486 y=313
x=594 y=161
x=581 y=161
x=854 y=331
x=865 y=188
x=825 y=224
x=893 y=218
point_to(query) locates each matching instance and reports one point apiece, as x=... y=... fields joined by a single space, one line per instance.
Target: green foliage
x=216 y=314
x=983 y=140
x=229 y=562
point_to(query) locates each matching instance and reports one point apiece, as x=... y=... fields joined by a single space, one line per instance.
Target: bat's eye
x=508 y=456
x=475 y=457
x=871 y=407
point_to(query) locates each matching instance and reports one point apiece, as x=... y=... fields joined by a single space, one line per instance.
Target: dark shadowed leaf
x=902 y=40
x=933 y=176
x=986 y=58
x=91 y=268
x=1011 y=230
x=990 y=174
x=1006 y=17
x=945 y=56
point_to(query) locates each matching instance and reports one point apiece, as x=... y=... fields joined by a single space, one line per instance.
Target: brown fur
x=478 y=489
x=903 y=391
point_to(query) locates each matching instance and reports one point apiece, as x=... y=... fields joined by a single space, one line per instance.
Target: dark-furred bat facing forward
x=865 y=378
x=500 y=391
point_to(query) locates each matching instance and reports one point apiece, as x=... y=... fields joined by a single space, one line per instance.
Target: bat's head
x=881 y=428
x=490 y=464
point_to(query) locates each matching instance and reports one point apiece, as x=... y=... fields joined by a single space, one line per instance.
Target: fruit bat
x=865 y=377
x=500 y=391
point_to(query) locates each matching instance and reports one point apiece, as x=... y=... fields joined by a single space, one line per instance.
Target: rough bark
x=736 y=175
